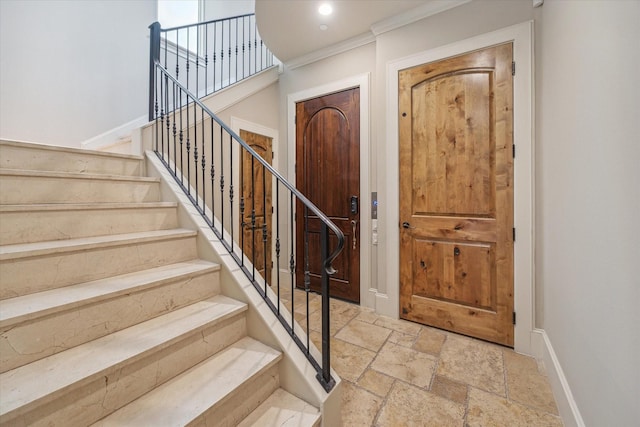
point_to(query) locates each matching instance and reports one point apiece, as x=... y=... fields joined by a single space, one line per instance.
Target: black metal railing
x=229 y=184
x=209 y=56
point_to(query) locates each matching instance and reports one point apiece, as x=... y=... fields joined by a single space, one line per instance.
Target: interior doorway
x=328 y=173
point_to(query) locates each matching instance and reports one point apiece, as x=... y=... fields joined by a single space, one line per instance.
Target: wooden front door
x=456 y=194
x=255 y=222
x=328 y=173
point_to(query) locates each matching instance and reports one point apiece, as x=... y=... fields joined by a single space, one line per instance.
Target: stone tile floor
x=399 y=373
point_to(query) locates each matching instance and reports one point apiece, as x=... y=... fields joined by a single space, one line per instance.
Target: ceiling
x=300 y=18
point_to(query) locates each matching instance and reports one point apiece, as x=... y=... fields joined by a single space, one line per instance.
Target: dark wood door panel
x=328 y=173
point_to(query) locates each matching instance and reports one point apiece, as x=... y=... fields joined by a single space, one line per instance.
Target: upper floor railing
x=209 y=56
x=249 y=205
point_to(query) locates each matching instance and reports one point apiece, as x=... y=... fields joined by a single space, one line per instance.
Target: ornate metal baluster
x=195 y=167
x=177 y=56
x=204 y=163
x=292 y=259
x=206 y=59
x=278 y=242
x=231 y=227
x=264 y=228
x=222 y=57
x=236 y=21
x=249 y=44
x=215 y=36
x=253 y=220
x=244 y=74
x=213 y=176
x=221 y=183
x=243 y=223
x=187 y=64
x=181 y=144
x=175 y=111
x=203 y=123
x=188 y=149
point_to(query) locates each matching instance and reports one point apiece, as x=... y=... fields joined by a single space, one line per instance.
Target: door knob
x=406 y=225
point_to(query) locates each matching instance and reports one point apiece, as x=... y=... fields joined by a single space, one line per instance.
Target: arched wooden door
x=256 y=183
x=328 y=173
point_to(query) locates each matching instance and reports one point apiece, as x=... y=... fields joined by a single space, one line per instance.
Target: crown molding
x=428 y=9
x=352 y=43
x=410 y=16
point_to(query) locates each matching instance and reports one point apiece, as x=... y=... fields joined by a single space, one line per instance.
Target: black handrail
x=186 y=127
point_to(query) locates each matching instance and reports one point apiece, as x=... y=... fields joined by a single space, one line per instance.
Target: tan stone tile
x=364 y=334
x=315 y=303
x=525 y=383
x=359 y=407
x=348 y=360
x=284 y=303
x=367 y=315
x=410 y=406
x=472 y=362
x=316 y=338
x=430 y=341
x=402 y=339
x=486 y=409
x=405 y=364
x=285 y=291
x=341 y=313
x=449 y=389
x=399 y=325
x=376 y=382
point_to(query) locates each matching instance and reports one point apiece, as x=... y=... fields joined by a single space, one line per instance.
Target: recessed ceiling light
x=323 y=27
x=325 y=9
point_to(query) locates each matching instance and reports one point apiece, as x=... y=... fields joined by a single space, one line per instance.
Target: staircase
x=107 y=314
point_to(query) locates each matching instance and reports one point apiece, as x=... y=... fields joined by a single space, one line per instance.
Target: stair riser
x=242 y=401
x=24 y=189
x=25 y=156
x=42 y=225
x=86 y=403
x=34 y=339
x=24 y=276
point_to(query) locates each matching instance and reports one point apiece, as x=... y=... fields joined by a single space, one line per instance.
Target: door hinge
x=514 y=317
x=514 y=234
x=513 y=150
x=513 y=68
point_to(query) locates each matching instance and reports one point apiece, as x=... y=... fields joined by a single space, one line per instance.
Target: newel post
x=154 y=55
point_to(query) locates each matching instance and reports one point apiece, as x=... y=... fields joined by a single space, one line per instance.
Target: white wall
x=217 y=9
x=70 y=70
x=588 y=201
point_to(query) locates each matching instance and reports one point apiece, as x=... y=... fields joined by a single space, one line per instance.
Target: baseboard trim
x=567 y=406
x=116 y=136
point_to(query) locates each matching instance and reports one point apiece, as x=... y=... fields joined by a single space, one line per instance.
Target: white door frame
x=367 y=295
x=522 y=37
